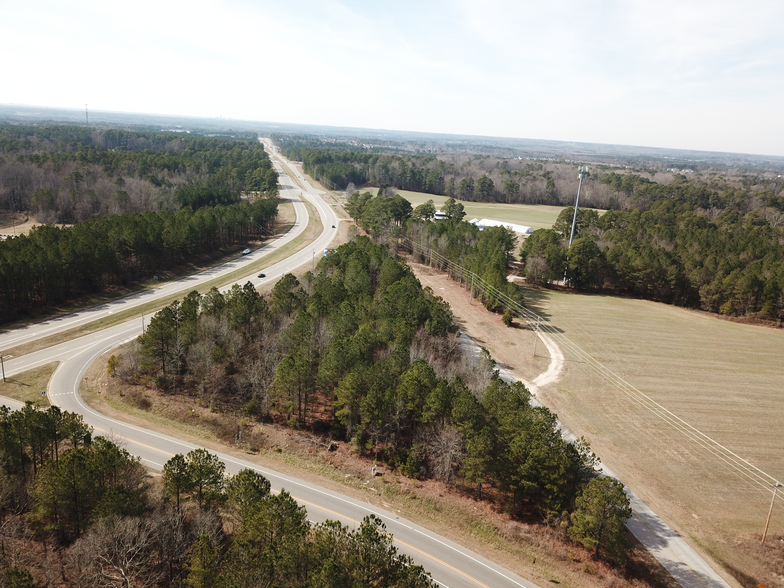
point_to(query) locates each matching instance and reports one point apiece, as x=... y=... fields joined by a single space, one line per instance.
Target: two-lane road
x=451 y=565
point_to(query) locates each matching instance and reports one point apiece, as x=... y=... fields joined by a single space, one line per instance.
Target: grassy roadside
x=337 y=201
x=27 y=386
x=532 y=551
x=312 y=230
x=286 y=218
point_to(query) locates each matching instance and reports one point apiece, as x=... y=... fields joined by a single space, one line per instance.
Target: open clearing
x=17 y=223
x=538 y=216
x=723 y=378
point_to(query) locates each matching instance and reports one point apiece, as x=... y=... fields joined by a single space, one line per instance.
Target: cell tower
x=86 y=116
x=583 y=173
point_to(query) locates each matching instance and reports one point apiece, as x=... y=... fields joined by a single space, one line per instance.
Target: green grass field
x=531 y=215
x=723 y=378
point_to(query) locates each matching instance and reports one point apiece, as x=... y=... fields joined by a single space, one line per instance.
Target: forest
x=478 y=177
x=52 y=265
x=141 y=203
x=486 y=253
x=67 y=174
x=679 y=244
x=78 y=510
x=361 y=353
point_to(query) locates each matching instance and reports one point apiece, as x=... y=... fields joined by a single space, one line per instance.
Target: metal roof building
x=488 y=222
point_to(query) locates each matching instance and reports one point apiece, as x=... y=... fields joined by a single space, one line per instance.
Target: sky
x=689 y=74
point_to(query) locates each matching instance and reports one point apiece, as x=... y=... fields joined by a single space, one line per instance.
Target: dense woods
x=361 y=352
x=80 y=511
x=52 y=265
x=451 y=170
x=472 y=178
x=66 y=174
x=486 y=253
x=683 y=243
x=680 y=243
x=141 y=202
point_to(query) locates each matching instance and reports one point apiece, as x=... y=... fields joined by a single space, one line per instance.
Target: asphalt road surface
x=451 y=565
x=288 y=191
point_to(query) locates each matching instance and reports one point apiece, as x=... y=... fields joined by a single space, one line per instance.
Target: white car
x=246 y=251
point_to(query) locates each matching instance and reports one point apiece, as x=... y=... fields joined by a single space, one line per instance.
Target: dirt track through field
x=511 y=347
x=675 y=402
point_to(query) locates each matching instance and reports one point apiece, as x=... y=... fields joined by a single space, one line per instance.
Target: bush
x=508 y=317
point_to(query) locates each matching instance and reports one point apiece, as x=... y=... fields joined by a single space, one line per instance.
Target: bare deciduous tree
x=444 y=449
x=116 y=552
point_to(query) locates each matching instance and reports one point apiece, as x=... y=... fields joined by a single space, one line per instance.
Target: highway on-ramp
x=451 y=565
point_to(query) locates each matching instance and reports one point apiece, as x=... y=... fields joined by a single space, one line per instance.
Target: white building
x=488 y=222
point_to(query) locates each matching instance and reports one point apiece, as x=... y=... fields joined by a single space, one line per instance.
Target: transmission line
x=727 y=459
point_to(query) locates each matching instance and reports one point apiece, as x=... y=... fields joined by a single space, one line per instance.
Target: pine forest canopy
x=96 y=507
x=142 y=203
x=68 y=174
x=361 y=351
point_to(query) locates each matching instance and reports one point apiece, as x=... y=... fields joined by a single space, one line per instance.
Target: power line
x=726 y=458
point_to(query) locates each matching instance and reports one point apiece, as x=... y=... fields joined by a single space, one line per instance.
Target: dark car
x=262 y=275
x=333 y=226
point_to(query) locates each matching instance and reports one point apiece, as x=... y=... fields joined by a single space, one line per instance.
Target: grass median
x=312 y=230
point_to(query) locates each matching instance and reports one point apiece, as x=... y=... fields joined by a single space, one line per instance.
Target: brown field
x=723 y=378
x=27 y=386
x=17 y=223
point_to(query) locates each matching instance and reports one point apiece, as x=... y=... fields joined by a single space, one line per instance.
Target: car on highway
x=262 y=275
x=246 y=251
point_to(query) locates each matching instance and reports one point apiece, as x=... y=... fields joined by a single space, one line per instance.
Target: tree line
x=681 y=244
x=730 y=263
x=78 y=510
x=52 y=265
x=446 y=170
x=487 y=253
x=360 y=351
x=476 y=177
x=68 y=174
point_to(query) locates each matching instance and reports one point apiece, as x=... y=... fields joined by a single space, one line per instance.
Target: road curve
x=288 y=192
x=450 y=564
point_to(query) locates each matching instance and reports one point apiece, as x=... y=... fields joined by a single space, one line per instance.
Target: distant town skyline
x=686 y=75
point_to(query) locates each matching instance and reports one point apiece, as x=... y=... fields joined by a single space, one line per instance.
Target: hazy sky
x=685 y=73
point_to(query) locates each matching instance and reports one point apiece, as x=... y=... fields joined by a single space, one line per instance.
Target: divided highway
x=451 y=565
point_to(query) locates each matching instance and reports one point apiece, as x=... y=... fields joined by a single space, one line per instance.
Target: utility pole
x=776 y=487
x=3 y=366
x=582 y=173
x=86 y=116
x=536 y=335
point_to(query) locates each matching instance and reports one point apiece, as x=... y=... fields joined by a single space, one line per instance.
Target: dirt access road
x=537 y=364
